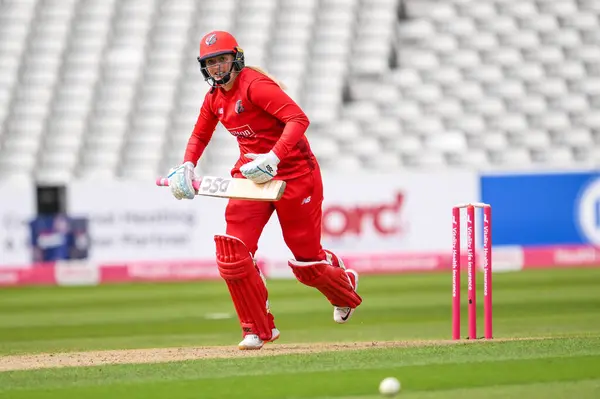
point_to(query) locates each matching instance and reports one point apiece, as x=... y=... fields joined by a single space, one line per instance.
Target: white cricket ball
x=389 y=386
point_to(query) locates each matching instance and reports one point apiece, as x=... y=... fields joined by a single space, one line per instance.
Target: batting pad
x=247 y=289
x=331 y=281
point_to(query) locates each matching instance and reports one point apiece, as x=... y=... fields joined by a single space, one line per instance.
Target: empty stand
x=112 y=89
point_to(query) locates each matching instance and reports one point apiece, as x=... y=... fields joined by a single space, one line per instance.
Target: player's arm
x=202 y=133
x=181 y=177
x=268 y=95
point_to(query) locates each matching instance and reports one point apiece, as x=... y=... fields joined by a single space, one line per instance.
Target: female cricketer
x=269 y=127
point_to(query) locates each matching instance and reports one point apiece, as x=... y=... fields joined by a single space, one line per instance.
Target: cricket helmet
x=218 y=43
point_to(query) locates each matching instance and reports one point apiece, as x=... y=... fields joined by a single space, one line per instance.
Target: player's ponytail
x=260 y=70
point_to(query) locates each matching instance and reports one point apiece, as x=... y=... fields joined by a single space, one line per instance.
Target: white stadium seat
x=100 y=84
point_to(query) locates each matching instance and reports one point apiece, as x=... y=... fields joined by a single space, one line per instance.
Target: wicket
x=471 y=269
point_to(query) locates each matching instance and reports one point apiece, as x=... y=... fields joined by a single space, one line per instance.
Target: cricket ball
x=389 y=387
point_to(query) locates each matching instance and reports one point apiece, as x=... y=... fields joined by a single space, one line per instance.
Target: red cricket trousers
x=299 y=213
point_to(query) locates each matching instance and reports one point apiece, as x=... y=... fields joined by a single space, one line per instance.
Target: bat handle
x=164 y=182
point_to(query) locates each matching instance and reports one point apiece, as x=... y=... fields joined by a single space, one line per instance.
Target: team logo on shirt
x=239 y=108
x=212 y=39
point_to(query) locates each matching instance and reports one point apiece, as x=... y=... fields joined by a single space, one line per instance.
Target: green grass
x=560 y=306
x=427 y=370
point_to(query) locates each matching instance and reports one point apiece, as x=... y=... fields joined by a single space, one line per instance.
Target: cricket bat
x=231 y=187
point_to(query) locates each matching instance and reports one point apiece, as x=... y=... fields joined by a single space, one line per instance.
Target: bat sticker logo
x=213 y=186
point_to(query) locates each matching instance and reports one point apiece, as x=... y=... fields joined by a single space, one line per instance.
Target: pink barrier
x=564 y=256
x=82 y=273
x=159 y=271
x=39 y=274
x=398 y=262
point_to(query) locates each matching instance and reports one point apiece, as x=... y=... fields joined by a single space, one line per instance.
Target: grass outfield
x=546 y=323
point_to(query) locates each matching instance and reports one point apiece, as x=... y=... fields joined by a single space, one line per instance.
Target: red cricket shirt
x=262 y=117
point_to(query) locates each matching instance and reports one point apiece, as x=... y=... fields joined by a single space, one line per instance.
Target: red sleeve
x=267 y=95
x=203 y=131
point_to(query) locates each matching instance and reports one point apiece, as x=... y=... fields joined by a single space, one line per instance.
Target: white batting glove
x=262 y=169
x=180 y=181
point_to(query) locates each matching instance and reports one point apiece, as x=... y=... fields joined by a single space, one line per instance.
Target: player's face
x=219 y=65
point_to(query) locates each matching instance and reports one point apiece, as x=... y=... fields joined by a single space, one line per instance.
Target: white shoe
x=253 y=341
x=343 y=314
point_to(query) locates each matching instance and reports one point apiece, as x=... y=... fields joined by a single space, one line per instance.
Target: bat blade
x=230 y=187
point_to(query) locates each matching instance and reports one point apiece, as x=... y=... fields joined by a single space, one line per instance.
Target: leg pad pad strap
x=331 y=281
x=247 y=289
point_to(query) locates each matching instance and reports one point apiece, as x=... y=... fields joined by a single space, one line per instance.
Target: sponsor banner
x=160 y=271
x=505 y=259
x=88 y=273
x=562 y=256
x=393 y=212
x=377 y=263
x=133 y=221
x=384 y=213
x=38 y=274
x=17 y=209
x=138 y=221
x=76 y=273
x=398 y=262
x=544 y=209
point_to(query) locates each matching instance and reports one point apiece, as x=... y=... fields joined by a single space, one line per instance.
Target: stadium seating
x=111 y=88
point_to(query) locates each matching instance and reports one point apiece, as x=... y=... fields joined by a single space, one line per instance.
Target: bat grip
x=164 y=182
